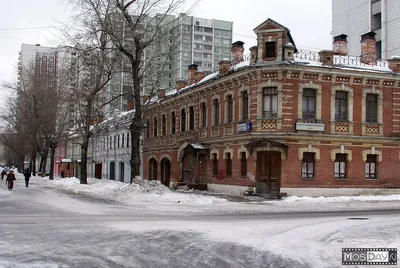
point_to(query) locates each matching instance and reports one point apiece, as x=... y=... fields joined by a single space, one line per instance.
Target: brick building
x=282 y=118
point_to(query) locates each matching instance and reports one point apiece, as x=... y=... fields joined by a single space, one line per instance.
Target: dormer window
x=270 y=49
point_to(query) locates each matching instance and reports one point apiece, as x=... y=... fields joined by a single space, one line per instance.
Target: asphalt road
x=33 y=234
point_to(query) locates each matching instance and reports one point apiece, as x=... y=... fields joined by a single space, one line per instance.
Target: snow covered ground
x=62 y=223
x=157 y=197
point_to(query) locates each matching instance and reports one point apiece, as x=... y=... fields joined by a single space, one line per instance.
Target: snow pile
x=141 y=192
x=153 y=192
x=320 y=199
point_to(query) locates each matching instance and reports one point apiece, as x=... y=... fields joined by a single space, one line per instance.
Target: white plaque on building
x=310 y=126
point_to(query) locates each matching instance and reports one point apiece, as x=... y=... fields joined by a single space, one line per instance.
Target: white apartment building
x=43 y=59
x=357 y=17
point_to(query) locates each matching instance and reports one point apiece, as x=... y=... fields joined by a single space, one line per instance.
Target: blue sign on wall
x=244 y=127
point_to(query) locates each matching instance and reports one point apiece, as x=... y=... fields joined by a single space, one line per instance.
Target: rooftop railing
x=313 y=56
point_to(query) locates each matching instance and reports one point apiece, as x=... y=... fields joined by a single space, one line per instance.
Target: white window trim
x=244 y=89
x=373 y=152
x=228 y=150
x=201 y=113
x=214 y=151
x=229 y=93
x=213 y=110
x=379 y=92
x=241 y=150
x=260 y=101
x=309 y=149
x=350 y=94
x=342 y=151
x=318 y=100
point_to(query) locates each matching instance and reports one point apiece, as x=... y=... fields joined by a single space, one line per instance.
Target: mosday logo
x=364 y=256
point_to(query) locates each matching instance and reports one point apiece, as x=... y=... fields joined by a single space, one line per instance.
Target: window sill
x=371 y=179
x=371 y=123
x=243 y=121
x=307 y=179
x=268 y=118
x=341 y=121
x=316 y=121
x=340 y=179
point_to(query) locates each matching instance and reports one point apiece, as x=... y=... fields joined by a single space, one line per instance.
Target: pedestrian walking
x=27 y=175
x=62 y=173
x=10 y=180
x=3 y=173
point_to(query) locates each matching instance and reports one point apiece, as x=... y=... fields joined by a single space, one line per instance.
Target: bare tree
x=142 y=30
x=91 y=65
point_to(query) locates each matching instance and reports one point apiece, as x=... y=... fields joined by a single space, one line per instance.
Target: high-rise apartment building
x=183 y=40
x=200 y=41
x=357 y=17
x=39 y=59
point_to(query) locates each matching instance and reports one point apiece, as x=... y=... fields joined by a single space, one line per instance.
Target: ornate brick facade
x=270 y=124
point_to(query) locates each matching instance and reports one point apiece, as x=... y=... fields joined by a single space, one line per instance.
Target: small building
x=279 y=118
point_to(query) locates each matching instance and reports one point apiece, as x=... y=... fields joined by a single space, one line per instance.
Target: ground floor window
x=308 y=166
x=243 y=164
x=341 y=166
x=153 y=169
x=370 y=167
x=215 y=164
x=228 y=167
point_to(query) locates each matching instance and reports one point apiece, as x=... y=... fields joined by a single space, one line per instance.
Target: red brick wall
x=291 y=167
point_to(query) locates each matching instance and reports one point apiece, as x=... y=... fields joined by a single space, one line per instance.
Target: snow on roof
x=199 y=146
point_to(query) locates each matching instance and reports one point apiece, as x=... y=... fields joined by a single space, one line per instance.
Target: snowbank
x=293 y=199
x=147 y=192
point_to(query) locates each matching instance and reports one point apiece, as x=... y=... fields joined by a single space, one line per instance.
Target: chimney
x=161 y=93
x=394 y=64
x=199 y=75
x=368 y=49
x=224 y=66
x=326 y=57
x=289 y=52
x=237 y=51
x=340 y=45
x=180 y=84
x=254 y=54
x=192 y=70
x=145 y=98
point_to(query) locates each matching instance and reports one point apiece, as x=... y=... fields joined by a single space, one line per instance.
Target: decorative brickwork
x=269 y=124
x=341 y=127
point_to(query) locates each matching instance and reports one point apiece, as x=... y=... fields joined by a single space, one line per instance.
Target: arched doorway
x=112 y=170
x=152 y=169
x=165 y=171
x=121 y=171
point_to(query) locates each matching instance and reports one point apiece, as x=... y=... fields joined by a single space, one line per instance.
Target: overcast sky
x=308 y=20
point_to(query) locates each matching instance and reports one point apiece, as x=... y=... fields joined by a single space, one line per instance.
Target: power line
x=24 y=29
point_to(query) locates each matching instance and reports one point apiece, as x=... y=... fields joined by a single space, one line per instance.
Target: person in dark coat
x=3 y=173
x=62 y=173
x=10 y=180
x=27 y=175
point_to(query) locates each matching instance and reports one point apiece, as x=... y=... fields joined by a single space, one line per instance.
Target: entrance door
x=188 y=168
x=121 y=171
x=97 y=171
x=152 y=169
x=165 y=172
x=112 y=170
x=202 y=167
x=268 y=169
